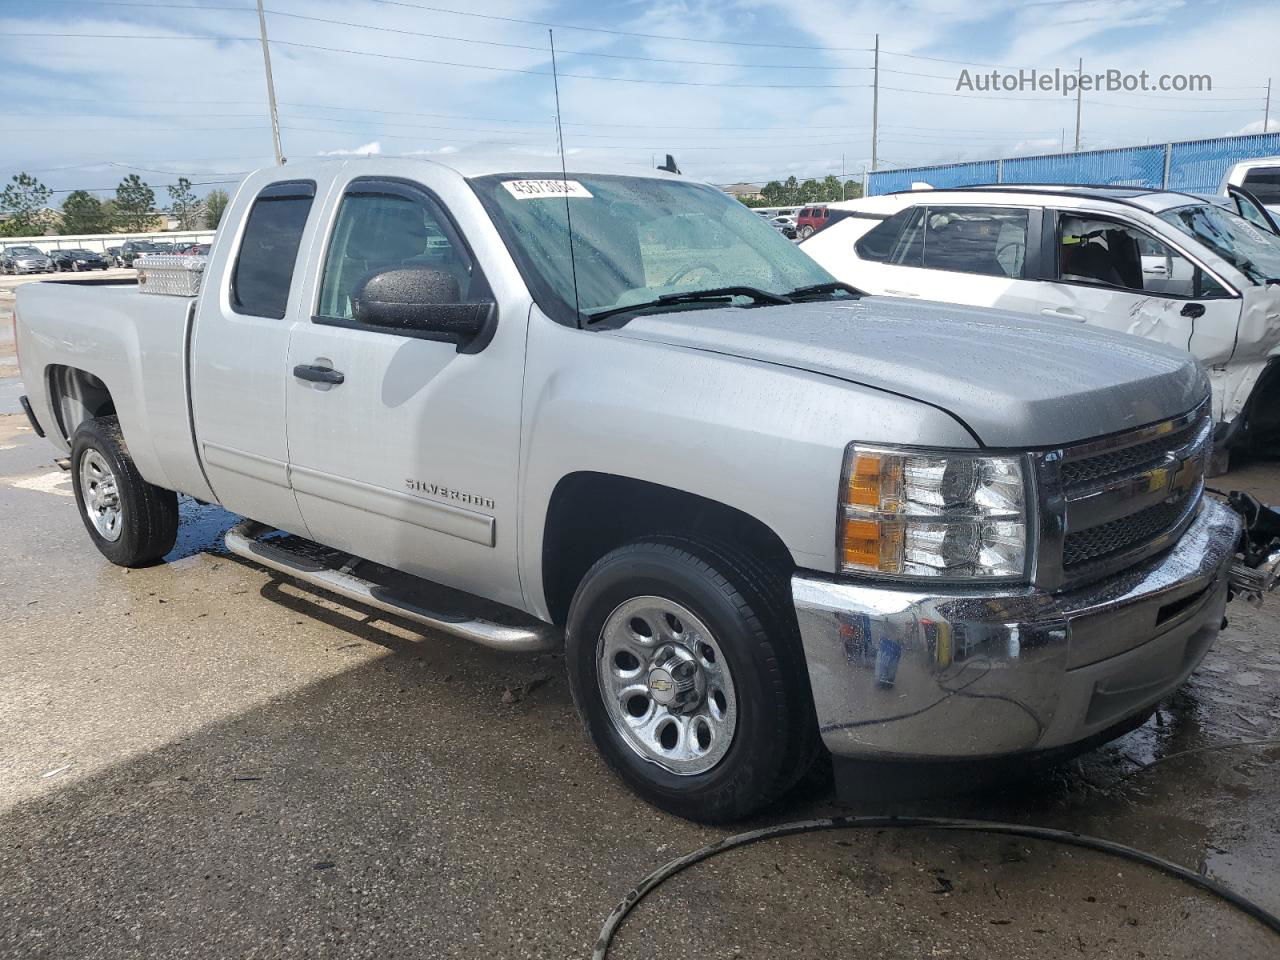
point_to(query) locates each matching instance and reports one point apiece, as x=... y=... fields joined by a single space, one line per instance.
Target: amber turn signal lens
x=872 y=545
x=864 y=481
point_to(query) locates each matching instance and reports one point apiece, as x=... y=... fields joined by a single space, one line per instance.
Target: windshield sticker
x=538 y=189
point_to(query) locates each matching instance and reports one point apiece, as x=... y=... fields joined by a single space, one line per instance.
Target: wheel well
x=77 y=396
x=593 y=513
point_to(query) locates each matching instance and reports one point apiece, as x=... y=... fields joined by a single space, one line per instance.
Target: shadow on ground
x=416 y=805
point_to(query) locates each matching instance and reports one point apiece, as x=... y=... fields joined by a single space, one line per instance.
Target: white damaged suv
x=1171 y=267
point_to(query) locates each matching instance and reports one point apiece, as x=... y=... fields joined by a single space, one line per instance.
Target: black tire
x=148 y=514
x=747 y=609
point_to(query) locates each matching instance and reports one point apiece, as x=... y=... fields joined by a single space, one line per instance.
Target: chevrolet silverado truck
x=763 y=515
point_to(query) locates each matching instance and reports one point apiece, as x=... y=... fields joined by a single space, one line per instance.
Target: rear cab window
x=263 y=271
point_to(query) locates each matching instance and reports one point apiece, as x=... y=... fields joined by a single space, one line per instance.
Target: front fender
x=765 y=440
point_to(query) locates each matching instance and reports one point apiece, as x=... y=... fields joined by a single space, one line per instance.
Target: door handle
x=1062 y=313
x=1193 y=310
x=318 y=374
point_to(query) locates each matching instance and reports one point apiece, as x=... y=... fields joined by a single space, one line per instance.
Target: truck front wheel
x=686 y=667
x=131 y=522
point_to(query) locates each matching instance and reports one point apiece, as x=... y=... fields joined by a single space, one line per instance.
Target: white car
x=1167 y=266
x=1259 y=177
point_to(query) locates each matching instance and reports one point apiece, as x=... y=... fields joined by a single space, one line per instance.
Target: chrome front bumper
x=908 y=674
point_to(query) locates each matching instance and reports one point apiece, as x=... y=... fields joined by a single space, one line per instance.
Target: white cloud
x=369 y=149
x=1273 y=126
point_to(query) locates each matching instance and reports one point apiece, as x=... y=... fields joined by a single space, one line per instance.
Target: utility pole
x=1079 y=98
x=271 y=86
x=875 y=103
x=1266 y=111
x=843 y=175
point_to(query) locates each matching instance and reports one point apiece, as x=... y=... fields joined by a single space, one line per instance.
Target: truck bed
x=137 y=345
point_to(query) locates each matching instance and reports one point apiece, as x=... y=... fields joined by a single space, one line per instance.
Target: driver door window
x=378 y=231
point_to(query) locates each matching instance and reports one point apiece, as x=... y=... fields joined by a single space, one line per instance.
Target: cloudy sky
x=736 y=89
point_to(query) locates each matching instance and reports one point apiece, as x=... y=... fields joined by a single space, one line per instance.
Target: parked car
x=24 y=259
x=113 y=256
x=132 y=249
x=1251 y=207
x=765 y=515
x=785 y=226
x=810 y=220
x=1260 y=177
x=1167 y=266
x=78 y=259
x=195 y=250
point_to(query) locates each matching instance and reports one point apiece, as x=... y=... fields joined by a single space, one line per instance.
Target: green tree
x=773 y=193
x=791 y=191
x=852 y=189
x=831 y=188
x=82 y=212
x=135 y=204
x=215 y=205
x=24 y=199
x=184 y=204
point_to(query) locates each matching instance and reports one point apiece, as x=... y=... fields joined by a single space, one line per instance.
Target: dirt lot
x=198 y=760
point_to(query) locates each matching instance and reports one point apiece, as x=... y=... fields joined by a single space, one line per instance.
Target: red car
x=810 y=220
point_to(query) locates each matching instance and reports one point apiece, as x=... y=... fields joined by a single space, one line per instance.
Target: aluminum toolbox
x=174 y=276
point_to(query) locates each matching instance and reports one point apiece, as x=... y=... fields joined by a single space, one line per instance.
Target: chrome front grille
x=1111 y=462
x=1113 y=502
x=1105 y=539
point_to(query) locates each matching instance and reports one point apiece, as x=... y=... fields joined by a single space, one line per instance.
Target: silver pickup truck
x=765 y=515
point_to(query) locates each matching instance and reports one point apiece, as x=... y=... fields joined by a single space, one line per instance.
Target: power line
x=107 y=189
x=127 y=129
x=1138 y=106
x=573 y=53
x=576 y=76
x=613 y=32
x=798 y=126
x=496 y=17
x=452 y=63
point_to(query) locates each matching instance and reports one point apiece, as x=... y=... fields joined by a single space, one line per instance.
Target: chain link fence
x=1195 y=166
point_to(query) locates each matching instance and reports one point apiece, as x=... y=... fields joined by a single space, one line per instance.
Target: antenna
x=564 y=178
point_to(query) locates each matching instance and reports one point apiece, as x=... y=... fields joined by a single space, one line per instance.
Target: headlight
x=906 y=513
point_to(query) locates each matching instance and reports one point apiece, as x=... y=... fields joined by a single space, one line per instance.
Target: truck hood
x=1012 y=380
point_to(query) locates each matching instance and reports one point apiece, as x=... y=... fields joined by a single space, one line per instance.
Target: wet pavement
x=197 y=760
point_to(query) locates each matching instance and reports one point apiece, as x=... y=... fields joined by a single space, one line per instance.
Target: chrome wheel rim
x=101 y=495
x=666 y=685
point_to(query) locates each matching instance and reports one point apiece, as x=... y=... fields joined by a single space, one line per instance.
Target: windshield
x=24 y=251
x=636 y=239
x=1254 y=252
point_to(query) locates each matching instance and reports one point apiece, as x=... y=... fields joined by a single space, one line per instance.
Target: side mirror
x=421 y=302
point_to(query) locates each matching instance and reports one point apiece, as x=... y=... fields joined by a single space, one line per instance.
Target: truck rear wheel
x=131 y=522
x=686 y=667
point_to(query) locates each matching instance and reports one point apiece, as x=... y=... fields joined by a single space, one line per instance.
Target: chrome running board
x=527 y=636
